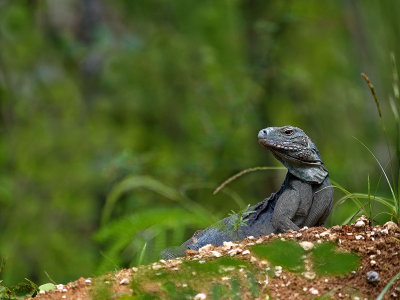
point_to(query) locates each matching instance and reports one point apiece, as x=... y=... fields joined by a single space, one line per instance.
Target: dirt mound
x=378 y=250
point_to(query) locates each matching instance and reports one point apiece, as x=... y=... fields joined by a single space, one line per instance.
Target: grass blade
x=141 y=256
x=390 y=283
x=237 y=175
x=396 y=204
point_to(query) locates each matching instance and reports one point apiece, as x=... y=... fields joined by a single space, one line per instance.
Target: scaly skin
x=304 y=199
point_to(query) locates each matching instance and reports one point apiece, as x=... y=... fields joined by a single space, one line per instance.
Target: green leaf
x=286 y=254
x=327 y=261
x=47 y=287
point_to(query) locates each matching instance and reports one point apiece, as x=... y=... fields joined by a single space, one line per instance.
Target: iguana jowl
x=304 y=199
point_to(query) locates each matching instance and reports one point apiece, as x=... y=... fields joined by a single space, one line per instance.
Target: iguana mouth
x=283 y=152
x=290 y=158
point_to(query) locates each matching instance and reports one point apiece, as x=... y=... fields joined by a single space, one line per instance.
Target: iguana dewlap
x=304 y=199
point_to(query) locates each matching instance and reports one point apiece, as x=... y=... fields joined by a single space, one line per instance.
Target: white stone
x=246 y=252
x=309 y=275
x=200 y=296
x=124 y=281
x=390 y=225
x=325 y=233
x=225 y=278
x=229 y=245
x=216 y=253
x=358 y=237
x=206 y=248
x=313 y=291
x=307 y=246
x=88 y=281
x=156 y=267
x=359 y=224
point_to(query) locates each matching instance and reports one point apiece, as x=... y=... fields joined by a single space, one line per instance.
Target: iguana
x=304 y=199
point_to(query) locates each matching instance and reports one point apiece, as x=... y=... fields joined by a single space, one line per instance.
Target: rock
x=336 y=228
x=191 y=252
x=390 y=225
x=216 y=253
x=307 y=246
x=363 y=219
x=205 y=248
x=200 y=296
x=373 y=277
x=309 y=275
x=325 y=233
x=360 y=224
x=333 y=237
x=229 y=245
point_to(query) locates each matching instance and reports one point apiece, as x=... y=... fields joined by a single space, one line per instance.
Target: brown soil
x=378 y=248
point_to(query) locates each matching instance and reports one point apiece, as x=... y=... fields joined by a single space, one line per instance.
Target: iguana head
x=296 y=151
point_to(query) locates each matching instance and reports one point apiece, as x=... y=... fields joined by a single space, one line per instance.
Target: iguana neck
x=314 y=174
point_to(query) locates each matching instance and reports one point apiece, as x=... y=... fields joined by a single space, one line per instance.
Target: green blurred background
x=119 y=118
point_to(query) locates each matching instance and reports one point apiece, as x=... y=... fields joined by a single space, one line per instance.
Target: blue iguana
x=304 y=199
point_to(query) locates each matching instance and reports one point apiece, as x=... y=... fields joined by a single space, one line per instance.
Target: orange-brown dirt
x=378 y=248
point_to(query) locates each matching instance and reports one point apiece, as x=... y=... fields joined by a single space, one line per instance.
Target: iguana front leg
x=293 y=205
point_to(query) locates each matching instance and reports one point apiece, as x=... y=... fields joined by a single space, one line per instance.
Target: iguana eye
x=288 y=131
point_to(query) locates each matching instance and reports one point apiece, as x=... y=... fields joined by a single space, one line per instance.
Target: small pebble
x=309 y=275
x=390 y=225
x=216 y=253
x=200 y=296
x=313 y=291
x=88 y=281
x=373 y=277
x=306 y=245
x=246 y=252
x=325 y=233
x=124 y=281
x=206 y=248
x=225 y=278
x=359 y=224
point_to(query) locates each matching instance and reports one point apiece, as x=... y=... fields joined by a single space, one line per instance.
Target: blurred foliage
x=94 y=93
